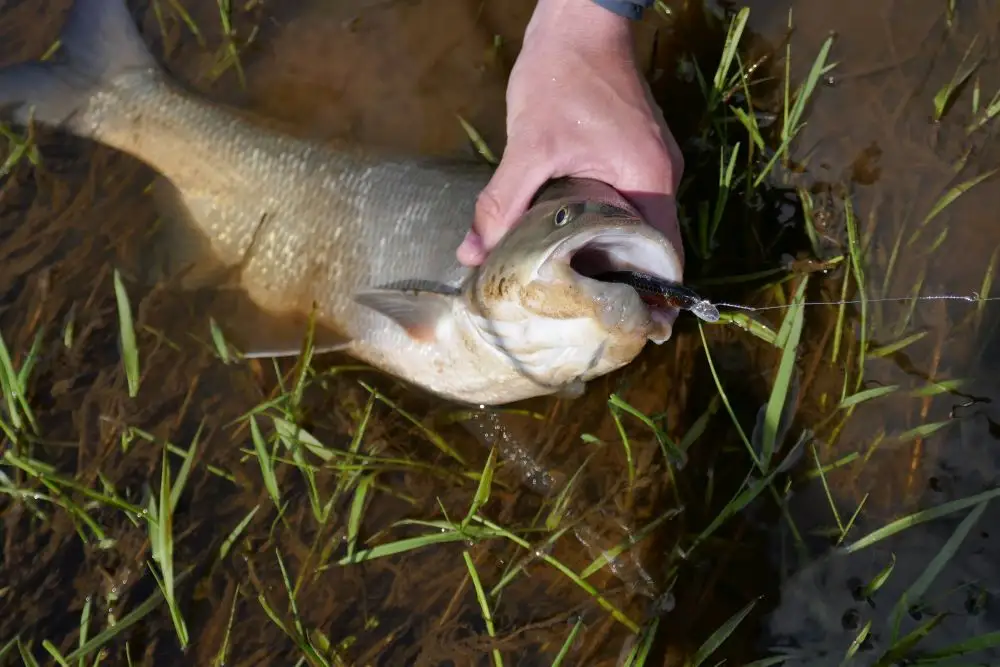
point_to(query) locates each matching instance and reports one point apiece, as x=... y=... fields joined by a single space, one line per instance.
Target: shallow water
x=397 y=73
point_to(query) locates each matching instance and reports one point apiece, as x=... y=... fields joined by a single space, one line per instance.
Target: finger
x=670 y=145
x=660 y=211
x=507 y=196
x=471 y=251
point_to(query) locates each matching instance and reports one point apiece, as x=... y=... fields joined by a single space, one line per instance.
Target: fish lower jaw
x=554 y=352
x=623 y=313
x=469 y=366
x=661 y=325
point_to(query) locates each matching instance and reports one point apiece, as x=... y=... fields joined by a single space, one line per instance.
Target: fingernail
x=472 y=242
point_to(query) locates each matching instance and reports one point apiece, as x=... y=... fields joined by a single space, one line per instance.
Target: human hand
x=578 y=106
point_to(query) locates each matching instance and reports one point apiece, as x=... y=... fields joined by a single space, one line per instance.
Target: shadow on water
x=397 y=73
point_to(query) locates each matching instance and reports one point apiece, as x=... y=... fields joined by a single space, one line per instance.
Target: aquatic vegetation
x=161 y=495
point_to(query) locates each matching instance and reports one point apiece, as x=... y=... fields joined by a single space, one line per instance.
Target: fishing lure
x=664 y=293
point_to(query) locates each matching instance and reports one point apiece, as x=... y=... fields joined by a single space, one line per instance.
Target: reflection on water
x=398 y=73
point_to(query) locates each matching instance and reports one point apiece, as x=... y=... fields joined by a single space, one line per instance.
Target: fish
x=361 y=240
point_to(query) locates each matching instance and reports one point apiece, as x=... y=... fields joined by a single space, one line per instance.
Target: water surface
x=398 y=74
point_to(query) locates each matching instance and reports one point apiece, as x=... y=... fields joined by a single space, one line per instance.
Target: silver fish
x=362 y=239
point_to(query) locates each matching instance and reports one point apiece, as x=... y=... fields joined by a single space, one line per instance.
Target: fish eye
x=562 y=216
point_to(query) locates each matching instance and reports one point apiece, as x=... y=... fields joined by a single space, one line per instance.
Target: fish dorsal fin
x=419 y=312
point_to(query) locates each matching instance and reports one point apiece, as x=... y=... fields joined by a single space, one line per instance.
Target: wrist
x=581 y=24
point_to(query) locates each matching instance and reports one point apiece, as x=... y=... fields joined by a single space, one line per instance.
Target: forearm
x=630 y=9
x=602 y=25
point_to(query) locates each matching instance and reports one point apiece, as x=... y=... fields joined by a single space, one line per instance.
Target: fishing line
x=974 y=297
x=672 y=294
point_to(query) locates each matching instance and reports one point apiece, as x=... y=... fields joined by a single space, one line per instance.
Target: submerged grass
x=319 y=504
x=857 y=343
x=161 y=541
x=126 y=336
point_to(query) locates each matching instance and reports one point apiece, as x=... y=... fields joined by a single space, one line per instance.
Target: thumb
x=501 y=203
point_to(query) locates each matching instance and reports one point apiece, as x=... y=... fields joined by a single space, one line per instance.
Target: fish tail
x=98 y=43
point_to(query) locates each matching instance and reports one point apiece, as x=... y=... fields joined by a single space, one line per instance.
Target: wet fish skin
x=329 y=224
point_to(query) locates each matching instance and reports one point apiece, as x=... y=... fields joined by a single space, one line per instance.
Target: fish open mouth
x=614 y=251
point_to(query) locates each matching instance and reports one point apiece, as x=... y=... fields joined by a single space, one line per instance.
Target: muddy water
x=873 y=127
x=397 y=73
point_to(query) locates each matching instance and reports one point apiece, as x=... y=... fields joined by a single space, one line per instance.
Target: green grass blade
x=852 y=650
x=924 y=430
x=126 y=333
x=477 y=140
x=698 y=427
x=433 y=437
x=27 y=657
x=483 y=490
x=892 y=348
x=917 y=518
x=484 y=605
x=906 y=644
x=916 y=590
x=880 y=578
x=123 y=623
x=867 y=395
x=644 y=643
x=721 y=634
x=220 y=657
x=981 y=643
x=725 y=398
x=265 y=462
x=788 y=338
x=234 y=535
x=402 y=546
x=949 y=197
x=185 y=470
x=356 y=512
x=54 y=652
x=729 y=49
x=671 y=452
x=568 y=644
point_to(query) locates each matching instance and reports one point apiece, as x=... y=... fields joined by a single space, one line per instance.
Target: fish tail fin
x=98 y=42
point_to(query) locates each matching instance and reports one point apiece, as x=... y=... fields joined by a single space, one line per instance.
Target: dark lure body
x=663 y=293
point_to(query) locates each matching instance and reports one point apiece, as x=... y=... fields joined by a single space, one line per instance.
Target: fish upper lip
x=619 y=250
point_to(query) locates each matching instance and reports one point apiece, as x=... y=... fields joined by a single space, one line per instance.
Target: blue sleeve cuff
x=630 y=9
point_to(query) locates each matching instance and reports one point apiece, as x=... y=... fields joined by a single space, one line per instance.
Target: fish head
x=535 y=297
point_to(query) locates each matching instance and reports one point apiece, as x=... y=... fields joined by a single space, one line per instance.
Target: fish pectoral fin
x=418 y=312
